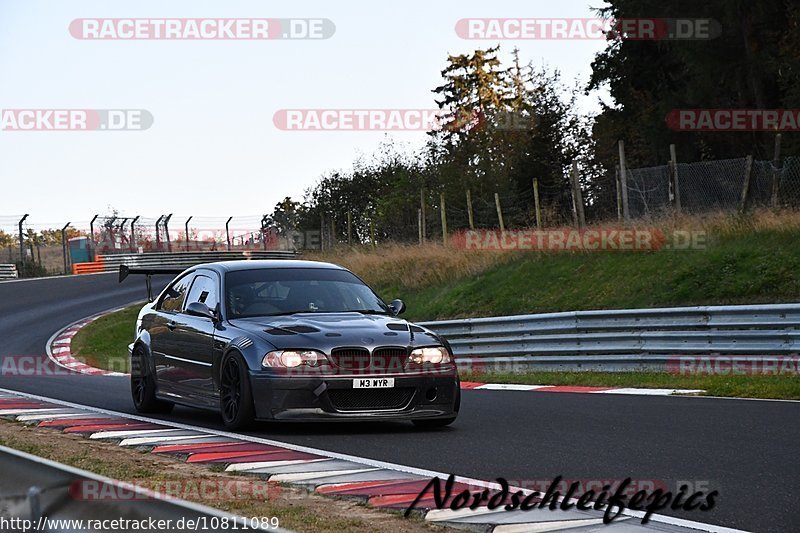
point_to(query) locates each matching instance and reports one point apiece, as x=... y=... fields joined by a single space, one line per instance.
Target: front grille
x=370 y=399
x=389 y=359
x=351 y=358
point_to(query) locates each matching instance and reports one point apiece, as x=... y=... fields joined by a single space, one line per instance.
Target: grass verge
x=750 y=258
x=783 y=387
x=103 y=343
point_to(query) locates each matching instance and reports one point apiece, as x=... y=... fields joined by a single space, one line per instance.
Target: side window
x=204 y=289
x=173 y=299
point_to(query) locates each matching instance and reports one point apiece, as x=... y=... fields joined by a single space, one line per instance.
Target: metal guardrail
x=8 y=271
x=627 y=339
x=34 y=489
x=109 y=263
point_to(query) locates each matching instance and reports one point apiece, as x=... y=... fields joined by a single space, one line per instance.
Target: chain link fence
x=714 y=186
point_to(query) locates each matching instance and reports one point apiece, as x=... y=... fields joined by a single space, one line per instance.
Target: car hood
x=324 y=331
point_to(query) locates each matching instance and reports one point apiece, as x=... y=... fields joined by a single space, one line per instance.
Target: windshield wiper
x=366 y=311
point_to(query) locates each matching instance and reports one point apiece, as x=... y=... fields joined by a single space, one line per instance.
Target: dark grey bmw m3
x=288 y=340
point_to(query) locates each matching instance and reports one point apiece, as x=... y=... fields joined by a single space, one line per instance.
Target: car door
x=163 y=337
x=194 y=337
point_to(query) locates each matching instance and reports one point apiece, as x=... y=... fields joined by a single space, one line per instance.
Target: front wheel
x=235 y=395
x=143 y=386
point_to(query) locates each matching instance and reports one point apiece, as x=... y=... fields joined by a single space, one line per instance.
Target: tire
x=235 y=394
x=433 y=424
x=143 y=386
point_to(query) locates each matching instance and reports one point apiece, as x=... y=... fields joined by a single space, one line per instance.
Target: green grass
x=104 y=342
x=785 y=387
x=758 y=267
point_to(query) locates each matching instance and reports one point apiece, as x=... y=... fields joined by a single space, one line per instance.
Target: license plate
x=373 y=383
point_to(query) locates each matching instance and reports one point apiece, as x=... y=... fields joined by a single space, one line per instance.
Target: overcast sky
x=213 y=150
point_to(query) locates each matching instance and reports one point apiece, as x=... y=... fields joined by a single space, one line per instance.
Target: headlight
x=434 y=355
x=292 y=358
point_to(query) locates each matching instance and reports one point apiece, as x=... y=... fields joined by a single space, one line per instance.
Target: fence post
x=469 y=210
x=536 y=206
x=422 y=208
x=623 y=181
x=748 y=167
x=577 y=196
x=158 y=236
x=22 y=244
x=166 y=232
x=133 y=233
x=186 y=231
x=227 y=232
x=264 y=231
x=619 y=192
x=64 y=245
x=372 y=233
x=444 y=218
x=91 y=236
x=122 y=229
x=776 y=161
x=676 y=189
x=499 y=211
x=419 y=224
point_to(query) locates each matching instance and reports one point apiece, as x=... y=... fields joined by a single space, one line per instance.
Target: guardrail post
x=22 y=242
x=64 y=244
x=227 y=232
x=34 y=500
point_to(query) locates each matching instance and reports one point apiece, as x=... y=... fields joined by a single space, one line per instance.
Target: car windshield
x=285 y=291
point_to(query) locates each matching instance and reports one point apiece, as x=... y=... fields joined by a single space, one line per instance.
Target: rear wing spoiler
x=125 y=271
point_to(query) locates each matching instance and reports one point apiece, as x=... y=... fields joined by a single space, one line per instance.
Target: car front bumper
x=429 y=395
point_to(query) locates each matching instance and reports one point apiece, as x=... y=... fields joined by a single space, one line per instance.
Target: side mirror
x=397 y=307
x=200 y=309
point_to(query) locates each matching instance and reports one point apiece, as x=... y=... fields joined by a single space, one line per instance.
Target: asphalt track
x=746 y=450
